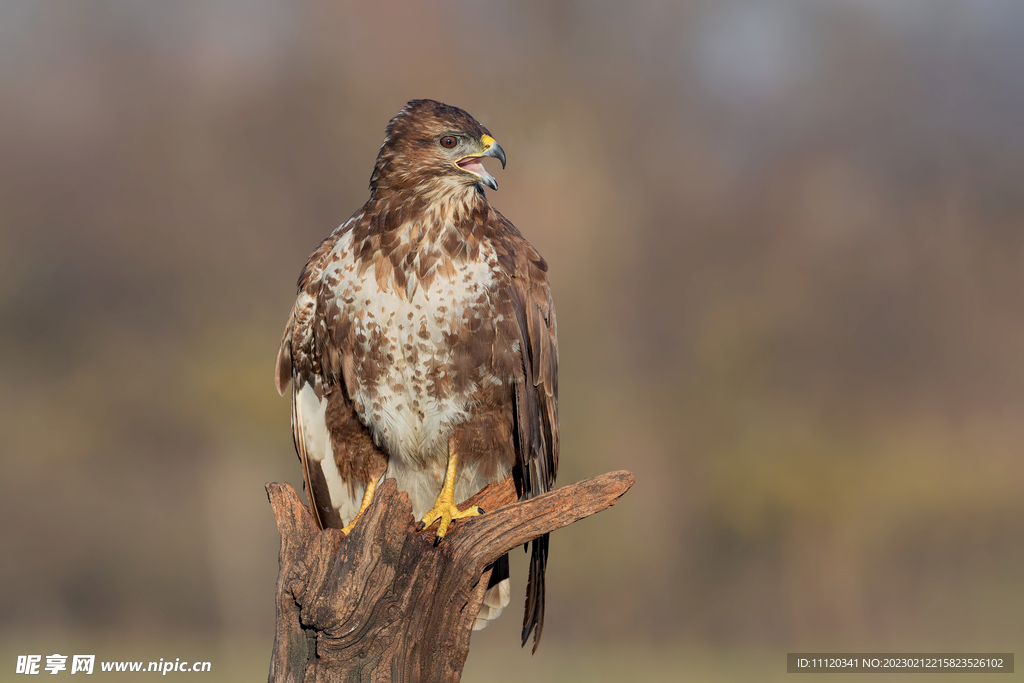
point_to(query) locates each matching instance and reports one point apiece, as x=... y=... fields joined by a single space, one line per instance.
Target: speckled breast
x=421 y=344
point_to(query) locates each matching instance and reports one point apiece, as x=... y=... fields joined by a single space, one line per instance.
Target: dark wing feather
x=536 y=396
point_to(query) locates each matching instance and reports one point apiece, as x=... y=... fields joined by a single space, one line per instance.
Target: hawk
x=422 y=345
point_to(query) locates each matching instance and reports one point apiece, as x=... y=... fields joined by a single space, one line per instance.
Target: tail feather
x=533 y=617
x=498 y=595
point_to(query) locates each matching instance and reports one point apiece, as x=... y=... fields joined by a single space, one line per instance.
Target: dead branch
x=385 y=604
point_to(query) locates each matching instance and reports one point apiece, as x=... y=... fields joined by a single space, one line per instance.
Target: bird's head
x=430 y=145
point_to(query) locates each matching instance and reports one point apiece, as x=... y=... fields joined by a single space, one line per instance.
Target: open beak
x=472 y=163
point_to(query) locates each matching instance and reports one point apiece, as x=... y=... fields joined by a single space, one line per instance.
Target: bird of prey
x=422 y=345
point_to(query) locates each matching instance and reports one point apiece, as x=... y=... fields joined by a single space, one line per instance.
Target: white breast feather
x=406 y=420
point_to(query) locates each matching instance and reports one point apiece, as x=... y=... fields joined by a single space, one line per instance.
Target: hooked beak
x=493 y=149
x=472 y=163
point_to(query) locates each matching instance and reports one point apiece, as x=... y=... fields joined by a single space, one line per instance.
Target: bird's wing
x=305 y=358
x=536 y=395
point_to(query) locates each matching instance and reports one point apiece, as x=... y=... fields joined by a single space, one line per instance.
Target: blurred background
x=786 y=242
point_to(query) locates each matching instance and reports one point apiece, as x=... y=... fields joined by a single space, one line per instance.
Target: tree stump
x=384 y=603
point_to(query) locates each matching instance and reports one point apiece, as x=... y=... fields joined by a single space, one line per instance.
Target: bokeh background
x=786 y=242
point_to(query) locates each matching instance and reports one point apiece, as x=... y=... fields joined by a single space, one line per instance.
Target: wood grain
x=385 y=604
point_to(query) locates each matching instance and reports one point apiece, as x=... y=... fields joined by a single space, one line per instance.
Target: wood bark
x=384 y=603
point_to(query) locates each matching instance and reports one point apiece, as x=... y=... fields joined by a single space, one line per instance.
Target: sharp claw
x=437 y=541
x=447 y=513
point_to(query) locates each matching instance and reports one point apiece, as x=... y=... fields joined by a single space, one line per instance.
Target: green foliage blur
x=786 y=244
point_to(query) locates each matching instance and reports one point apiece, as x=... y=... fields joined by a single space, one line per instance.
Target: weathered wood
x=385 y=604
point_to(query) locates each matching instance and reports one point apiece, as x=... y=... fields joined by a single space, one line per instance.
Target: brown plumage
x=424 y=327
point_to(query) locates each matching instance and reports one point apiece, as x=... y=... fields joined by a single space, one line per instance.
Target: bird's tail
x=533 y=616
x=499 y=592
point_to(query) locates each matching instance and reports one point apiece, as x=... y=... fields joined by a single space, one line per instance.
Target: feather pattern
x=425 y=323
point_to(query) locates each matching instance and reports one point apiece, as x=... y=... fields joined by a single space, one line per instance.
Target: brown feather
x=283 y=366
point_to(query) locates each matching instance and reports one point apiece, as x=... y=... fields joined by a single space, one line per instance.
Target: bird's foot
x=347 y=529
x=371 y=486
x=446 y=510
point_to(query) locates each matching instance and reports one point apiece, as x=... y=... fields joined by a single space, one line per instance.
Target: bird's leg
x=445 y=508
x=371 y=486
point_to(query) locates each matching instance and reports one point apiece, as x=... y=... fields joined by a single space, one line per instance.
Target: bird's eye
x=448 y=141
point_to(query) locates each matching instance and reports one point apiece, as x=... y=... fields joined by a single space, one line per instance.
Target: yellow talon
x=447 y=512
x=371 y=486
x=445 y=508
